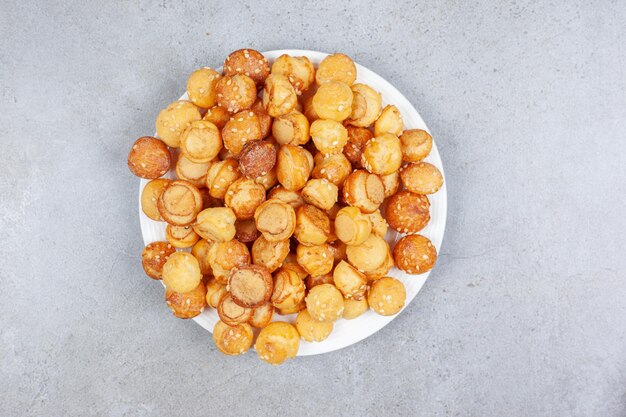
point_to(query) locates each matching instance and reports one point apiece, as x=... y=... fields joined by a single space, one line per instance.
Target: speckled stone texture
x=525 y=313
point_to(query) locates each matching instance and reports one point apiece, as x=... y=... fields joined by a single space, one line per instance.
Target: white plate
x=346 y=332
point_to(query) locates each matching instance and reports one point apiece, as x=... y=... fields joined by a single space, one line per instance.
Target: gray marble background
x=525 y=313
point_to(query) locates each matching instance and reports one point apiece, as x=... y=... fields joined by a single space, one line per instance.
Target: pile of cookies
x=288 y=177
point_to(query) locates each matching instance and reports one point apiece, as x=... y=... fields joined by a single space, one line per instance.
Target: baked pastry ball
x=277 y=342
x=416 y=144
x=201 y=252
x=293 y=198
x=214 y=292
x=248 y=62
x=354 y=308
x=351 y=226
x=366 y=105
x=291 y=263
x=236 y=93
x=391 y=182
x=188 y=304
x=315 y=259
x=408 y=212
x=216 y=224
x=149 y=158
x=329 y=136
x=154 y=256
x=262 y=316
x=415 y=254
x=201 y=142
x=268 y=180
x=243 y=197
x=312 y=225
x=181 y=236
x=292 y=309
x=233 y=340
x=389 y=121
x=179 y=203
x=349 y=281
x=321 y=193
x=279 y=96
x=357 y=138
x=334 y=168
x=308 y=109
x=421 y=178
x=250 y=285
x=386 y=296
x=149 y=196
x=288 y=289
x=275 y=219
x=293 y=166
x=257 y=158
x=218 y=116
x=291 y=128
x=232 y=313
x=202 y=87
x=175 y=118
x=382 y=155
x=220 y=176
x=383 y=269
x=336 y=67
x=364 y=191
x=225 y=256
x=245 y=231
x=269 y=254
x=191 y=171
x=324 y=303
x=369 y=255
x=379 y=224
x=298 y=69
x=311 y=281
x=265 y=120
x=242 y=128
x=312 y=330
x=181 y=272
x=333 y=101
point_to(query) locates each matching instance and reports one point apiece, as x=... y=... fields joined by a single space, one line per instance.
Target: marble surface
x=525 y=313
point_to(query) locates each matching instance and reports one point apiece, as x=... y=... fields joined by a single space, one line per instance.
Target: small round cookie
x=179 y=203
x=257 y=158
x=201 y=142
x=181 y=236
x=386 y=296
x=293 y=166
x=192 y=172
x=149 y=197
x=324 y=303
x=366 y=105
x=415 y=254
x=232 y=313
x=336 y=67
x=357 y=138
x=321 y=193
x=187 y=304
x=154 y=256
x=220 y=176
x=214 y=292
x=243 y=197
x=421 y=178
x=242 y=128
x=311 y=281
x=218 y=116
x=271 y=255
x=298 y=69
x=225 y=256
x=349 y=281
x=279 y=96
x=379 y=224
x=175 y=118
x=354 y=308
x=275 y=219
x=216 y=224
x=236 y=93
x=202 y=87
x=391 y=183
x=312 y=225
x=248 y=62
x=277 y=342
x=334 y=168
x=181 y=272
x=389 y=121
x=250 y=285
x=233 y=340
x=245 y=231
x=312 y=330
x=416 y=144
x=201 y=252
x=329 y=136
x=315 y=259
x=262 y=316
x=369 y=255
x=364 y=191
x=291 y=128
x=289 y=289
x=408 y=212
x=351 y=226
x=293 y=198
x=333 y=101
x=382 y=155
x=149 y=158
